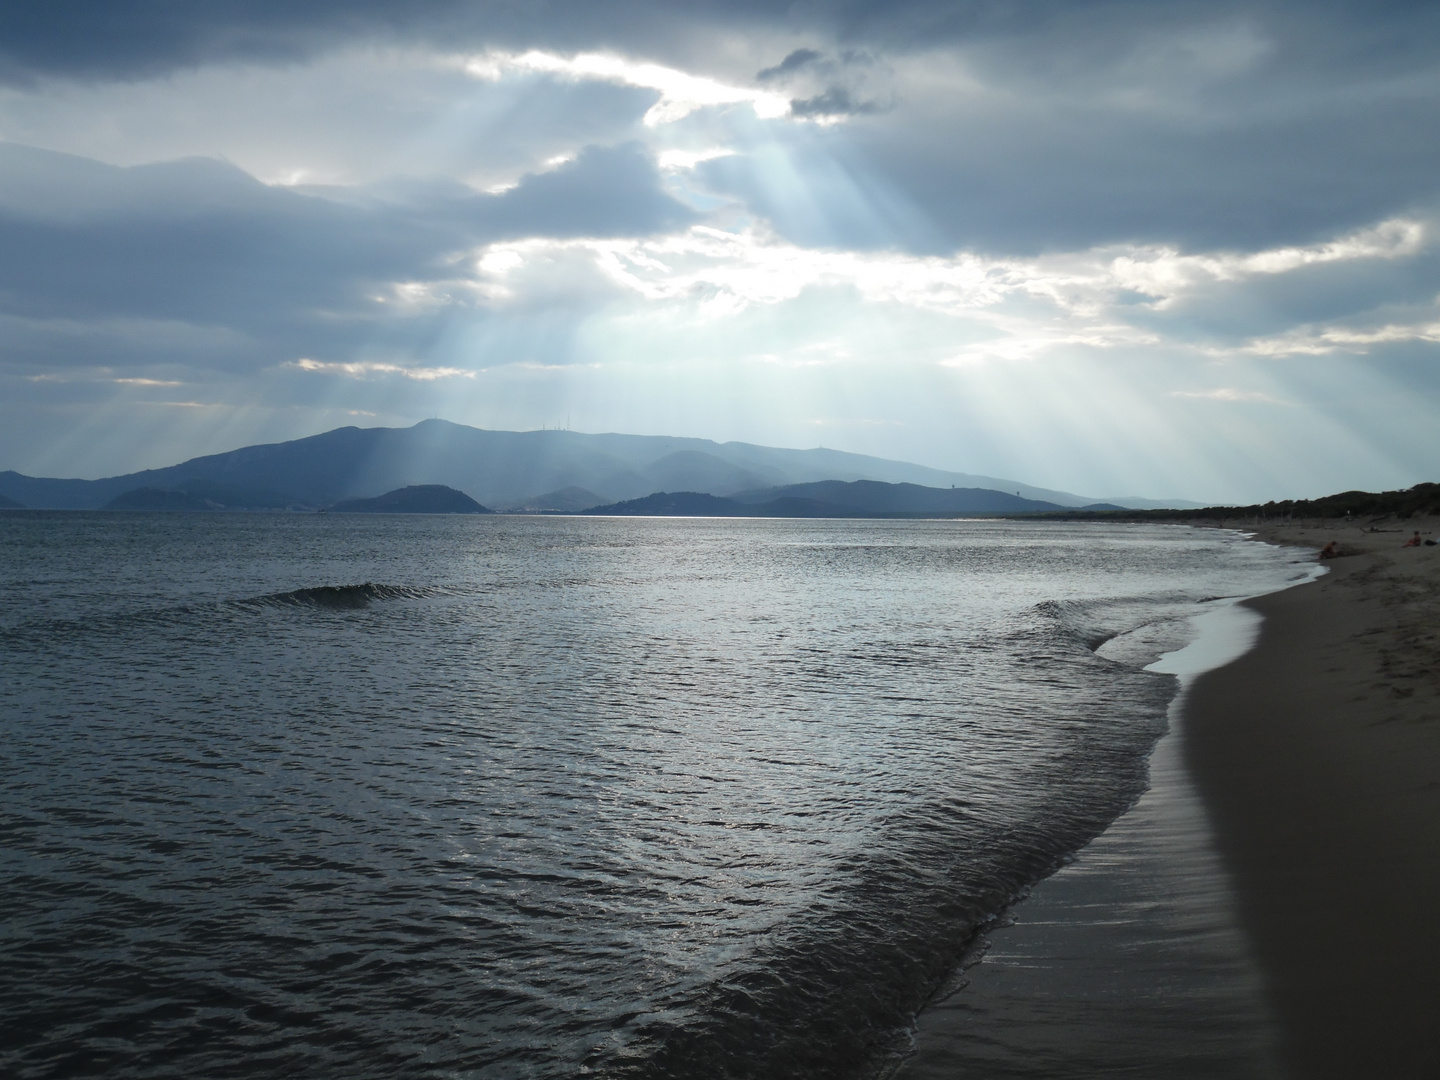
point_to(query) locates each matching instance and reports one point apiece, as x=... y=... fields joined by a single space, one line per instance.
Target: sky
x=1163 y=249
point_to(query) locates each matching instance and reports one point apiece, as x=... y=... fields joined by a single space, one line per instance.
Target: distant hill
x=875 y=497
x=568 y=500
x=148 y=498
x=415 y=499
x=201 y=495
x=1135 y=502
x=10 y=504
x=501 y=469
x=674 y=504
x=1422 y=499
x=832 y=499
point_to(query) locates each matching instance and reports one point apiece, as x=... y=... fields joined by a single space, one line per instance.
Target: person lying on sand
x=1330 y=551
x=1414 y=541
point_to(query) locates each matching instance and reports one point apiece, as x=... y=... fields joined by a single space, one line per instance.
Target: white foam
x=1225 y=631
x=1140 y=935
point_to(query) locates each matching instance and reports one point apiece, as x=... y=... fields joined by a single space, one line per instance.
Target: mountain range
x=837 y=498
x=512 y=470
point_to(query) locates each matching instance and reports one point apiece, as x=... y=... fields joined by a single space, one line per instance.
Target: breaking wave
x=339 y=597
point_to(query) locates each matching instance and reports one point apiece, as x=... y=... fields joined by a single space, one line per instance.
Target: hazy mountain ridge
x=877 y=497
x=568 y=500
x=503 y=469
x=416 y=499
x=200 y=495
x=831 y=499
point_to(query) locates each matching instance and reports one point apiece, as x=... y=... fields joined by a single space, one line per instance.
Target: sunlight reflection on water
x=644 y=797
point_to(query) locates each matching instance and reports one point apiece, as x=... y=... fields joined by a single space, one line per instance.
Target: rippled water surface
x=548 y=797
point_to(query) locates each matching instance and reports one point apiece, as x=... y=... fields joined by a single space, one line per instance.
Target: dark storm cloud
x=199 y=242
x=834 y=102
x=104 y=39
x=796 y=61
x=1008 y=180
x=824 y=87
x=1109 y=121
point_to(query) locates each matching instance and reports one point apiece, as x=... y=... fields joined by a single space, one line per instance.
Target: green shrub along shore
x=1419 y=501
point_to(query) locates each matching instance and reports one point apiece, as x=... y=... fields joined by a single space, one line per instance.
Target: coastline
x=1268 y=907
x=1130 y=959
x=1318 y=756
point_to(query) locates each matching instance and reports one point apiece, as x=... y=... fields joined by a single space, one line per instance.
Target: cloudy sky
x=1153 y=248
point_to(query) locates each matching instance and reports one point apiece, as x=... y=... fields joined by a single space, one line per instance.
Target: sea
x=523 y=796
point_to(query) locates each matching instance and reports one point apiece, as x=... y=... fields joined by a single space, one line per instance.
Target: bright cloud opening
x=1030 y=306
x=362 y=369
x=680 y=92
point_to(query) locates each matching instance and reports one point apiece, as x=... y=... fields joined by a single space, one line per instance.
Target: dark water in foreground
x=549 y=797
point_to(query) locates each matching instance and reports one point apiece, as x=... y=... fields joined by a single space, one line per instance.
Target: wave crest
x=340 y=597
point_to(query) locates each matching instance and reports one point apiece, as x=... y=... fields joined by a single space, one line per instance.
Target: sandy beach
x=1131 y=959
x=1318 y=757
x=1269 y=907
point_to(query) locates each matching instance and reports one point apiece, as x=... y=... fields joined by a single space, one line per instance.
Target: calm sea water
x=548 y=797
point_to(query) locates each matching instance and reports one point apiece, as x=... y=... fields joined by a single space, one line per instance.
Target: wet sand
x=1318 y=757
x=1130 y=961
x=1271 y=907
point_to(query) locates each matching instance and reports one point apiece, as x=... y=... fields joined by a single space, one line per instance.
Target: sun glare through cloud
x=530 y=205
x=681 y=93
x=695 y=539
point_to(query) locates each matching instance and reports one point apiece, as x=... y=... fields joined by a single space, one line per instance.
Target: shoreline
x=1130 y=959
x=1318 y=756
x=1267 y=908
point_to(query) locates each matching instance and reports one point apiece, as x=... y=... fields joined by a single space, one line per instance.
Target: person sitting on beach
x=1330 y=551
x=1414 y=541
